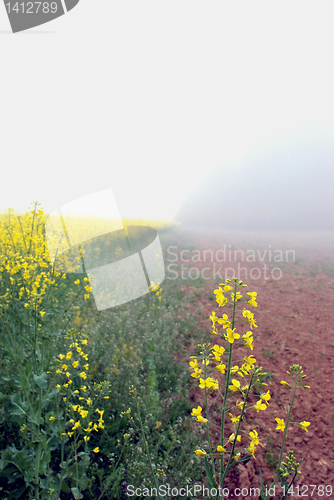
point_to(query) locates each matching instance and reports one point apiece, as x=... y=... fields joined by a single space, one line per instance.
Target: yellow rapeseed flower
x=221 y=368
x=235 y=385
x=224 y=321
x=217 y=352
x=259 y=406
x=230 y=335
x=232 y=438
x=200 y=453
x=248 y=339
x=252 y=301
x=234 y=419
x=238 y=296
x=197 y=372
x=254 y=437
x=304 y=425
x=196 y=412
x=220 y=298
x=250 y=360
x=214 y=318
x=280 y=424
x=265 y=396
x=240 y=405
x=193 y=364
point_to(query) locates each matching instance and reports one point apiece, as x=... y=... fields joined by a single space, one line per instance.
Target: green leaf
x=41 y=380
x=4 y=398
x=15 y=378
x=245 y=459
x=58 y=335
x=262 y=486
x=20 y=492
x=76 y=493
x=83 y=482
x=212 y=482
x=17 y=406
x=21 y=459
x=44 y=483
x=65 y=487
x=28 y=369
x=150 y=345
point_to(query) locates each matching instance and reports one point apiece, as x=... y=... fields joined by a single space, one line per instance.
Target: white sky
x=147 y=97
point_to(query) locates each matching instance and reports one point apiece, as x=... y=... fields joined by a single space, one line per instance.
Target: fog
x=281 y=186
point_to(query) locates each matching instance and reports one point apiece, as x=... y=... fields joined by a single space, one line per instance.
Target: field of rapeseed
x=70 y=426
x=96 y=404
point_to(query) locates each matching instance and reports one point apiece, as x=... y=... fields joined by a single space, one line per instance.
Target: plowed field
x=295 y=315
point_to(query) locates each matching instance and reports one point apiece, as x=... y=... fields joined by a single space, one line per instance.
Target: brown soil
x=295 y=316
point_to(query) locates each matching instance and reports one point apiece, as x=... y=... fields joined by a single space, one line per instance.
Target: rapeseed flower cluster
x=26 y=272
x=73 y=368
x=157 y=289
x=239 y=380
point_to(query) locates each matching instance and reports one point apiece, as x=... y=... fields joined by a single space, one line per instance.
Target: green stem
x=237 y=431
x=285 y=432
x=222 y=432
x=115 y=468
x=76 y=462
x=20 y=372
x=38 y=456
x=32 y=228
x=147 y=450
x=35 y=339
x=207 y=424
x=289 y=486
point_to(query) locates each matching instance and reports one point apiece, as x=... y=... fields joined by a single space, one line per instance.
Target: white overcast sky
x=148 y=97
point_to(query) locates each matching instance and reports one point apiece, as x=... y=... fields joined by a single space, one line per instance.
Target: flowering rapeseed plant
x=239 y=382
x=35 y=299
